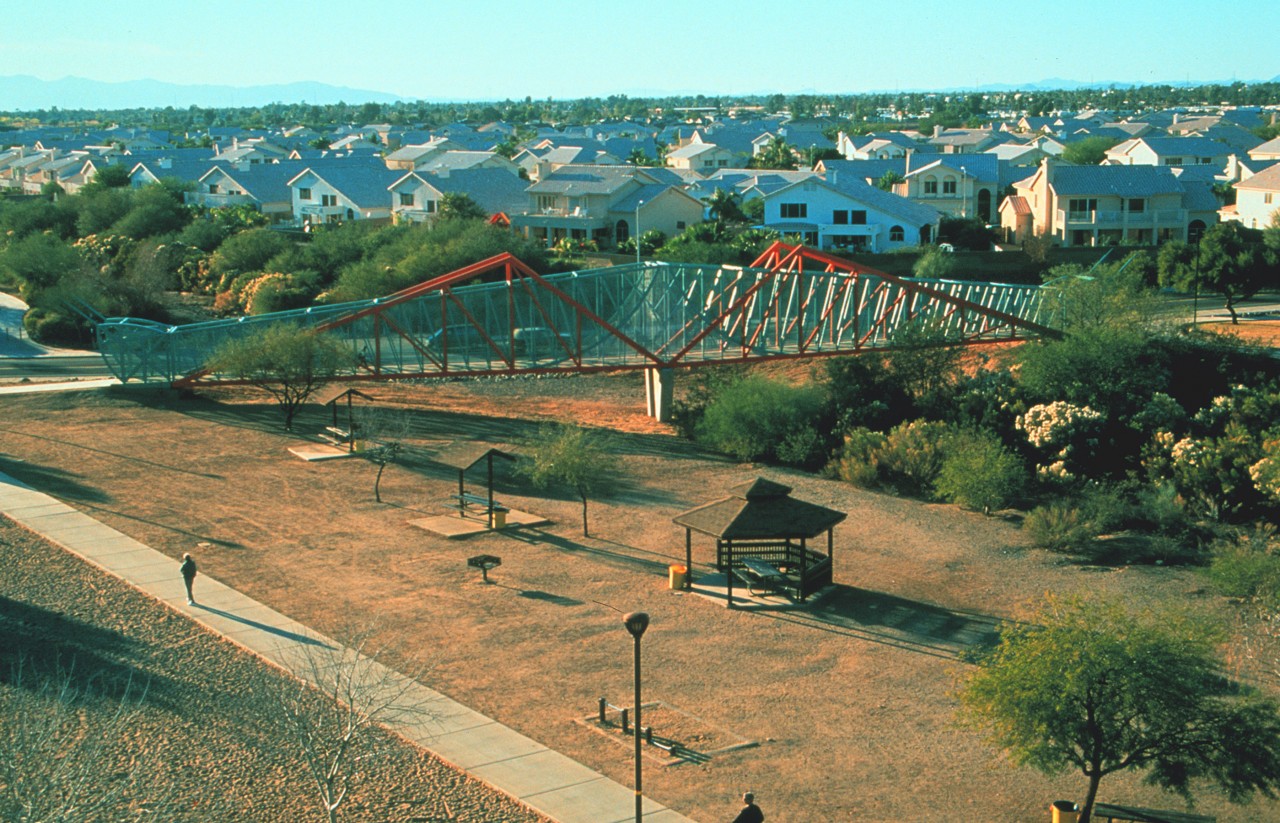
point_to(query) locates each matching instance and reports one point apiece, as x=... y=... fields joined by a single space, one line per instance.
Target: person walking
x=750 y=811
x=189 y=576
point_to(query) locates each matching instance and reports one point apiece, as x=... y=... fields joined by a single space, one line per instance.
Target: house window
x=840 y=217
x=304 y=194
x=793 y=211
x=722 y=163
x=1134 y=205
x=679 y=225
x=431 y=207
x=896 y=234
x=406 y=198
x=1204 y=161
x=213 y=188
x=1082 y=205
x=931 y=186
x=1173 y=161
x=328 y=200
x=948 y=187
x=1266 y=198
x=546 y=202
x=858 y=217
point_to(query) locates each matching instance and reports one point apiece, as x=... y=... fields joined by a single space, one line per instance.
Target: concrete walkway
x=542 y=779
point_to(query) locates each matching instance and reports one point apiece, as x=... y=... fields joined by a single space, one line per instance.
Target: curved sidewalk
x=542 y=779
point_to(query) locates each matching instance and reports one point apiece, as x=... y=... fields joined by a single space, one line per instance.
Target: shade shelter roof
x=462 y=456
x=335 y=392
x=760 y=510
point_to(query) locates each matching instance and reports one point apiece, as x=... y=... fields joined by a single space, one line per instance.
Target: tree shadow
x=199 y=536
x=895 y=621
x=130 y=458
x=624 y=557
x=56 y=482
x=42 y=646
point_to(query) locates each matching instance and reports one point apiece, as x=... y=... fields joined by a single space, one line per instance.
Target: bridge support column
x=658 y=385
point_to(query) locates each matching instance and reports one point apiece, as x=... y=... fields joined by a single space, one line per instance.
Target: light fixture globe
x=636 y=623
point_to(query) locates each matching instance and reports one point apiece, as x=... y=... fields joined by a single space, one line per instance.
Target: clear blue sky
x=493 y=50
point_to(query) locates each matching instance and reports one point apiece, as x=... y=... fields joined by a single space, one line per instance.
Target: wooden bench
x=465 y=503
x=758 y=574
x=336 y=436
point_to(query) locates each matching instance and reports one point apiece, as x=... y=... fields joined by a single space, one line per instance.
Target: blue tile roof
x=1124 y=181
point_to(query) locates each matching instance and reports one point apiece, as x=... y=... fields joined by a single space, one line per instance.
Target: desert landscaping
x=848 y=698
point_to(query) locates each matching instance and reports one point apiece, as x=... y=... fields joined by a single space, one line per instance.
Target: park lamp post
x=638 y=205
x=964 y=194
x=636 y=623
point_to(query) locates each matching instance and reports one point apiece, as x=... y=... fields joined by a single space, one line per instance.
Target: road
x=54 y=367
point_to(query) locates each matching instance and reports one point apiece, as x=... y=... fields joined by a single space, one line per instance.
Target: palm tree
x=725 y=205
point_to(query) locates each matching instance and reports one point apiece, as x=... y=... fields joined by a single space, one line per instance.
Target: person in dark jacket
x=189 y=576
x=750 y=812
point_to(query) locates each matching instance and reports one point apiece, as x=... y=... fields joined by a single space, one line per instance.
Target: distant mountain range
x=26 y=93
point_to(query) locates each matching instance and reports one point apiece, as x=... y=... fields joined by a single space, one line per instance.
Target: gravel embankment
x=202 y=745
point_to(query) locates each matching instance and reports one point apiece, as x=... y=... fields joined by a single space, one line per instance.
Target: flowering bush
x=1067 y=434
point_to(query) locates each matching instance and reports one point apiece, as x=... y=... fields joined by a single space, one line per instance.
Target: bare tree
x=336 y=712
x=383 y=433
x=59 y=738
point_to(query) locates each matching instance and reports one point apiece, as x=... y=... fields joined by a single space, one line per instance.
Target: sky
x=497 y=50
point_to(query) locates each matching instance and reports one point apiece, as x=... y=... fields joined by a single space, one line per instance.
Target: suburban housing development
x=1168 y=175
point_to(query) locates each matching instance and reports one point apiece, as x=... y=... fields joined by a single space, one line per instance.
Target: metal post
x=638 y=205
x=636 y=623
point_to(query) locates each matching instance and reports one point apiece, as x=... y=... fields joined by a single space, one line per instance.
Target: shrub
x=1247 y=568
x=912 y=457
x=1058 y=527
x=858 y=461
x=753 y=417
x=978 y=472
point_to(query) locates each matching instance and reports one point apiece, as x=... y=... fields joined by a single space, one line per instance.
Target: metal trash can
x=677 y=574
x=1064 y=811
x=499 y=518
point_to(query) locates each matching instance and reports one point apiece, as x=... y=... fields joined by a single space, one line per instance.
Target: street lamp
x=638 y=205
x=636 y=623
x=964 y=194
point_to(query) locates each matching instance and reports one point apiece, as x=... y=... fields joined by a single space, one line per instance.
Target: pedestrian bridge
x=499 y=317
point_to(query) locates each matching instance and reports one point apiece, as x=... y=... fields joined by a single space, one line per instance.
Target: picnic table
x=758 y=574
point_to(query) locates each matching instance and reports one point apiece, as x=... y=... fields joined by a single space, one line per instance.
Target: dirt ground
x=849 y=698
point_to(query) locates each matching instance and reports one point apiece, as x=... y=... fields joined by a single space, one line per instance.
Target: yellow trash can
x=499 y=518
x=678 y=575
x=1064 y=811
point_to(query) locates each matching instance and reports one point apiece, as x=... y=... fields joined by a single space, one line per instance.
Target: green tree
x=888 y=180
x=1228 y=260
x=1094 y=688
x=725 y=206
x=577 y=457
x=934 y=264
x=777 y=154
x=288 y=362
x=1090 y=151
x=459 y=206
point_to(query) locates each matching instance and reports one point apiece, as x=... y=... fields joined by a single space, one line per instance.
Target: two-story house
x=845 y=213
x=340 y=190
x=1258 y=199
x=416 y=197
x=700 y=157
x=264 y=187
x=958 y=185
x=1106 y=205
x=1168 y=151
x=605 y=204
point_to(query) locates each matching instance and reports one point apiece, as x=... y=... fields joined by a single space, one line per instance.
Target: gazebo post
x=728 y=567
x=804 y=570
x=688 y=558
